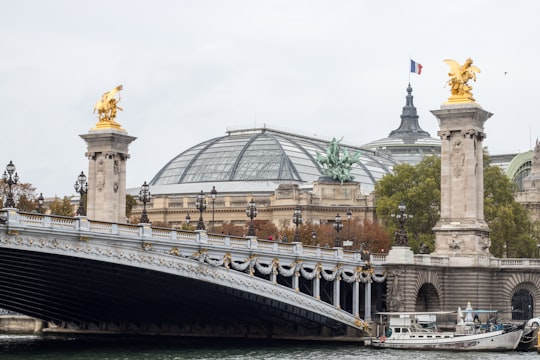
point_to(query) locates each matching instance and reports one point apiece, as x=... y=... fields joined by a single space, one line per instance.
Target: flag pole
x=410 y=70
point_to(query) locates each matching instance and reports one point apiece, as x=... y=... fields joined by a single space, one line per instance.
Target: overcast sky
x=191 y=69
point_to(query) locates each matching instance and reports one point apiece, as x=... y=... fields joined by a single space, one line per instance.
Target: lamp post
x=81 y=187
x=338 y=225
x=251 y=212
x=213 y=194
x=401 y=238
x=200 y=204
x=40 y=202
x=297 y=220
x=144 y=196
x=188 y=219
x=314 y=236
x=11 y=178
x=349 y=214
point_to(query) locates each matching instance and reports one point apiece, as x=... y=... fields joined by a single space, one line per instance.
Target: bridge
x=93 y=276
x=82 y=275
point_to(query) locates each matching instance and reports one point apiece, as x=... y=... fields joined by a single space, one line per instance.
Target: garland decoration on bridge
x=330 y=275
x=265 y=269
x=288 y=271
x=253 y=263
x=349 y=277
x=379 y=278
x=310 y=275
x=174 y=251
x=214 y=261
x=242 y=266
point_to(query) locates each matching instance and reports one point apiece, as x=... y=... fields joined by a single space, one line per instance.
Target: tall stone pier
x=462 y=233
x=461 y=269
x=107 y=155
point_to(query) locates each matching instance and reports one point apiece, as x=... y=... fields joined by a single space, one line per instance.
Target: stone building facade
x=319 y=205
x=529 y=197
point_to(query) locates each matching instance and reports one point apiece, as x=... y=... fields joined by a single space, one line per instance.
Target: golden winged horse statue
x=106 y=108
x=459 y=77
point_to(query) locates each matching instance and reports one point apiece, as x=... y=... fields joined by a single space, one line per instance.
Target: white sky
x=190 y=69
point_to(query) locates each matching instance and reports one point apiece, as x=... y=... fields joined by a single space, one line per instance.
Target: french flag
x=416 y=67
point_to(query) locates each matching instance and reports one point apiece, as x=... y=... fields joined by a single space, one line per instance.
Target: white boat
x=418 y=331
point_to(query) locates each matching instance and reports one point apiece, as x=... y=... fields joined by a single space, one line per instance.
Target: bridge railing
x=147 y=233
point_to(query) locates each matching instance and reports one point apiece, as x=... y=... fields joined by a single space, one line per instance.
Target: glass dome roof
x=265 y=156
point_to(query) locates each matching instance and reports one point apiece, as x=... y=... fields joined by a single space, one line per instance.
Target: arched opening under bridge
x=427 y=298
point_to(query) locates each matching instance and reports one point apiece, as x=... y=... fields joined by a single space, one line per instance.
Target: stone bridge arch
x=522 y=281
x=429 y=291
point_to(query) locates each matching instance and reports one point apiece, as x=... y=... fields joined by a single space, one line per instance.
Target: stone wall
x=443 y=288
x=19 y=324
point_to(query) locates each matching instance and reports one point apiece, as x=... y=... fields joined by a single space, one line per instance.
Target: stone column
x=295 y=281
x=317 y=287
x=356 y=299
x=462 y=230
x=367 y=301
x=337 y=295
x=107 y=155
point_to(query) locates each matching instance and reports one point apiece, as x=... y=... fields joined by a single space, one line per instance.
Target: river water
x=60 y=348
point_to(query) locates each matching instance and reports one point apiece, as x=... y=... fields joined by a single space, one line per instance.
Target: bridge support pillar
x=107 y=156
x=337 y=284
x=367 y=302
x=295 y=281
x=356 y=299
x=462 y=232
x=317 y=287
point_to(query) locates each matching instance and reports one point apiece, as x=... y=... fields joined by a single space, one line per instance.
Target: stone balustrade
x=15 y=218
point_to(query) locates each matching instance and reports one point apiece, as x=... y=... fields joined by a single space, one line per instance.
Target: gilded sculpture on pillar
x=459 y=78
x=106 y=108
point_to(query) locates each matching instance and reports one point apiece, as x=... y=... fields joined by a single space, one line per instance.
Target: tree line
x=512 y=233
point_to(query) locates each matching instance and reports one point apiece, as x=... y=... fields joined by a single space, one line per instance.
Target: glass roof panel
x=262 y=156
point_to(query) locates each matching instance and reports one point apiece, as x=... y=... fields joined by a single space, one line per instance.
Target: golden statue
x=107 y=107
x=459 y=76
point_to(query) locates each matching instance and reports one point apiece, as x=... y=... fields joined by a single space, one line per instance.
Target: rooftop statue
x=459 y=78
x=337 y=163
x=107 y=107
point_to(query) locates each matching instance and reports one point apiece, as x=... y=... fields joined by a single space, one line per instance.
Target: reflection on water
x=115 y=348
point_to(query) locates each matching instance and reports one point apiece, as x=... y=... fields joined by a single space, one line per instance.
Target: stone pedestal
x=462 y=230
x=333 y=193
x=107 y=155
x=400 y=255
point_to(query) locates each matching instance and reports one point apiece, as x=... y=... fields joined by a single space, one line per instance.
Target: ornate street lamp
x=11 y=178
x=40 y=202
x=314 y=236
x=188 y=219
x=338 y=225
x=251 y=212
x=349 y=214
x=144 y=196
x=297 y=220
x=81 y=187
x=213 y=194
x=200 y=204
x=401 y=238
